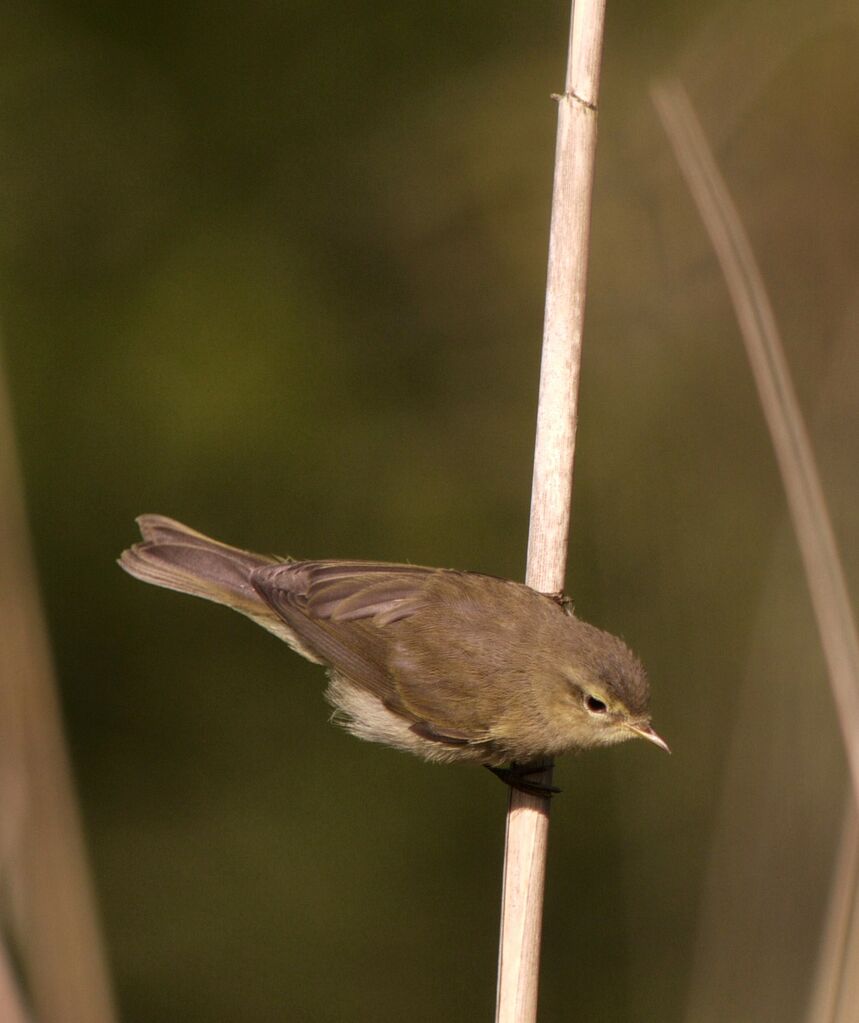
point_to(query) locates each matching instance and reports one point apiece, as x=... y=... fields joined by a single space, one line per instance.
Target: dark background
x=277 y=270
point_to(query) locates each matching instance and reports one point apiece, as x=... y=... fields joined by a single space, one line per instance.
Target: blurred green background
x=276 y=270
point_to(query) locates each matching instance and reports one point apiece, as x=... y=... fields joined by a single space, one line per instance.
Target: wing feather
x=337 y=609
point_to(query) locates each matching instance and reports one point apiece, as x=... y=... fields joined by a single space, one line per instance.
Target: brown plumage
x=448 y=665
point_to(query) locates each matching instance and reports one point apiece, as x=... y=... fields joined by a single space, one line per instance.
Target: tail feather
x=179 y=558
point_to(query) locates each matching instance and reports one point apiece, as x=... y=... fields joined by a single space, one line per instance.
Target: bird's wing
x=347 y=614
x=339 y=610
x=357 y=591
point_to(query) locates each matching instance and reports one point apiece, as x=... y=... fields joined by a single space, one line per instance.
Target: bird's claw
x=517 y=777
x=563 y=601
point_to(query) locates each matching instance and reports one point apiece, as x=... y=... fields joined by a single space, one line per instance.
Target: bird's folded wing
x=343 y=611
x=340 y=611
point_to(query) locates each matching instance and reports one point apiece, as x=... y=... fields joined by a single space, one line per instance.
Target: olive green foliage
x=277 y=270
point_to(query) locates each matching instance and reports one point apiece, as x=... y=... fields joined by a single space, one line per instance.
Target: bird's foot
x=525 y=778
x=563 y=601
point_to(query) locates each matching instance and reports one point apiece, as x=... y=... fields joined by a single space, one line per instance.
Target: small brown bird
x=451 y=666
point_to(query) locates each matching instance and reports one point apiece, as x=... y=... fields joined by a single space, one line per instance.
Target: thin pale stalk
x=836 y=995
x=11 y=1004
x=43 y=863
x=799 y=474
x=848 y=990
x=527 y=815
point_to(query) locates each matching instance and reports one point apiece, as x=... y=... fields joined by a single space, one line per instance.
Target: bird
x=452 y=666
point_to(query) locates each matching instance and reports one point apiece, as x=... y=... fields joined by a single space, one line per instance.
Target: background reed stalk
x=835 y=997
x=43 y=860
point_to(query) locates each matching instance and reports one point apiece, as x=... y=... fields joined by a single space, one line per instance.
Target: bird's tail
x=179 y=558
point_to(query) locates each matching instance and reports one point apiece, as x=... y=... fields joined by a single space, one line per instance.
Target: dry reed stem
x=801 y=481
x=43 y=864
x=527 y=815
x=11 y=1004
x=836 y=995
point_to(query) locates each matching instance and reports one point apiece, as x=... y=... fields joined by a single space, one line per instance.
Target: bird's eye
x=594 y=705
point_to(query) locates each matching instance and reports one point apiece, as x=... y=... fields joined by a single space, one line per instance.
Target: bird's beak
x=646 y=732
